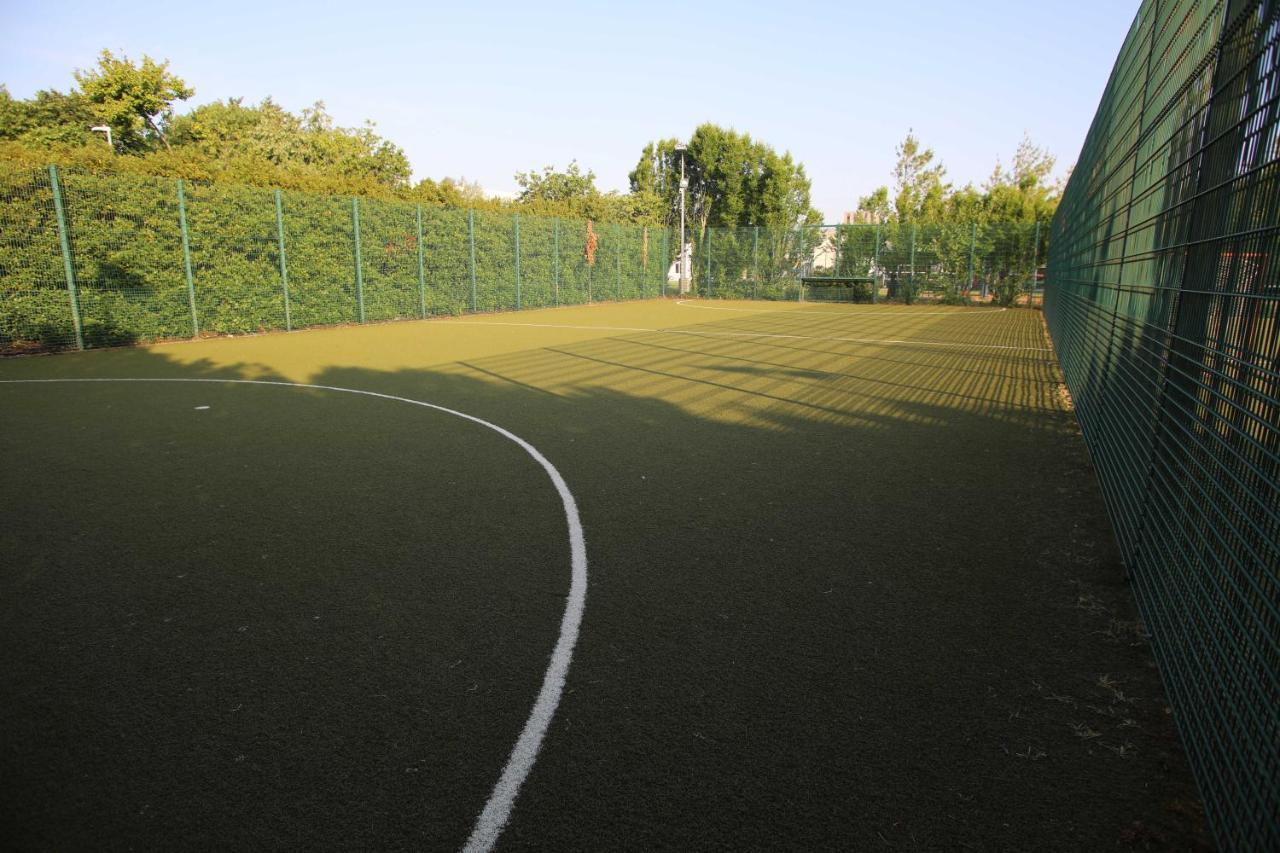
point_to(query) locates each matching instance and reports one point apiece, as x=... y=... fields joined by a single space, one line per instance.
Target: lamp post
x=684 y=253
x=102 y=128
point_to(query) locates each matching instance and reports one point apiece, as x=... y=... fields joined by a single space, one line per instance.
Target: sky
x=483 y=90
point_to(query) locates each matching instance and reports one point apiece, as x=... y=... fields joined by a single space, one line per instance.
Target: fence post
x=973 y=245
x=617 y=239
x=471 y=237
x=284 y=265
x=1035 y=267
x=516 y=221
x=708 y=288
x=666 y=263
x=913 y=261
x=555 y=264
x=755 y=261
x=800 y=262
x=64 y=238
x=355 y=233
x=422 y=271
x=186 y=259
x=875 y=263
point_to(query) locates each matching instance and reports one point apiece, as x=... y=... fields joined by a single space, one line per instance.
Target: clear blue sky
x=486 y=89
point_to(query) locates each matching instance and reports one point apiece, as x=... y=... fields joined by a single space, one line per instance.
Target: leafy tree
x=50 y=118
x=550 y=185
x=135 y=101
x=733 y=181
x=919 y=190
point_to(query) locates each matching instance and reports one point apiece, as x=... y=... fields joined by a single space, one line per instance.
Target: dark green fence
x=953 y=262
x=100 y=260
x=1163 y=298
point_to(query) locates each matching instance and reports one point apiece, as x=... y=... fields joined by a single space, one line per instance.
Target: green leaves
x=135 y=101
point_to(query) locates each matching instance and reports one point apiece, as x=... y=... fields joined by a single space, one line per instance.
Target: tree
x=50 y=118
x=135 y=101
x=551 y=185
x=919 y=191
x=310 y=141
x=734 y=181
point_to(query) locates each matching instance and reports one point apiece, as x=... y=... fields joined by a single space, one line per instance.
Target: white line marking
x=838 y=313
x=497 y=810
x=706 y=334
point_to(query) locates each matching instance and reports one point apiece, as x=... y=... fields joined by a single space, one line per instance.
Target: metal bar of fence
x=68 y=267
x=355 y=236
x=555 y=256
x=422 y=269
x=515 y=221
x=284 y=264
x=186 y=259
x=471 y=238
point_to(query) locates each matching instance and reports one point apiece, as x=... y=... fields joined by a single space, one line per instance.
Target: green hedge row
x=126 y=248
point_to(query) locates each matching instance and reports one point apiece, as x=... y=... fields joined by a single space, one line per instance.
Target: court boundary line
x=715 y=334
x=497 y=809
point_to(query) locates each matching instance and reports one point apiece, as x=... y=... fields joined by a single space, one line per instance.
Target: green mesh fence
x=1163 y=299
x=94 y=260
x=955 y=263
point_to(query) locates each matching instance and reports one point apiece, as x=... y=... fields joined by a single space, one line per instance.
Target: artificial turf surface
x=851 y=585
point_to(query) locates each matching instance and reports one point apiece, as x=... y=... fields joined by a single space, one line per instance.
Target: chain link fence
x=102 y=260
x=1163 y=299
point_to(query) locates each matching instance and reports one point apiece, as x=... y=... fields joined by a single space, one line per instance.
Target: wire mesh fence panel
x=446 y=260
x=1163 y=299
x=538 y=244
x=389 y=259
x=126 y=247
x=36 y=310
x=495 y=261
x=235 y=259
x=319 y=255
x=577 y=264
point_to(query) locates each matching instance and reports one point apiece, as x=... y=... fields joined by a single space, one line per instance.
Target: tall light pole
x=684 y=254
x=102 y=128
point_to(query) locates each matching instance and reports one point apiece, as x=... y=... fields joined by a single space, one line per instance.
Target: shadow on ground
x=855 y=598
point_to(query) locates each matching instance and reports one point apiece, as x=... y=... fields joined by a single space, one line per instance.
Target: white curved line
x=708 y=334
x=687 y=304
x=497 y=810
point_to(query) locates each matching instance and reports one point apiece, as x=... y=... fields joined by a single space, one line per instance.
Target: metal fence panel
x=1163 y=299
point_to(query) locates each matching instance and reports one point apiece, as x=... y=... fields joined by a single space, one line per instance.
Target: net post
x=422 y=269
x=471 y=238
x=186 y=259
x=555 y=259
x=284 y=264
x=515 y=218
x=68 y=268
x=355 y=234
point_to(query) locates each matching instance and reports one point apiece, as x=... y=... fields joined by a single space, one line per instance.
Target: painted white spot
x=201 y=408
x=497 y=810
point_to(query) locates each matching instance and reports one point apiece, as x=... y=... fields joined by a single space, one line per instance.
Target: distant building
x=860 y=217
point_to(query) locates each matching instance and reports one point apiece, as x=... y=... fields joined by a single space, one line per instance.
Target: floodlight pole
x=684 y=255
